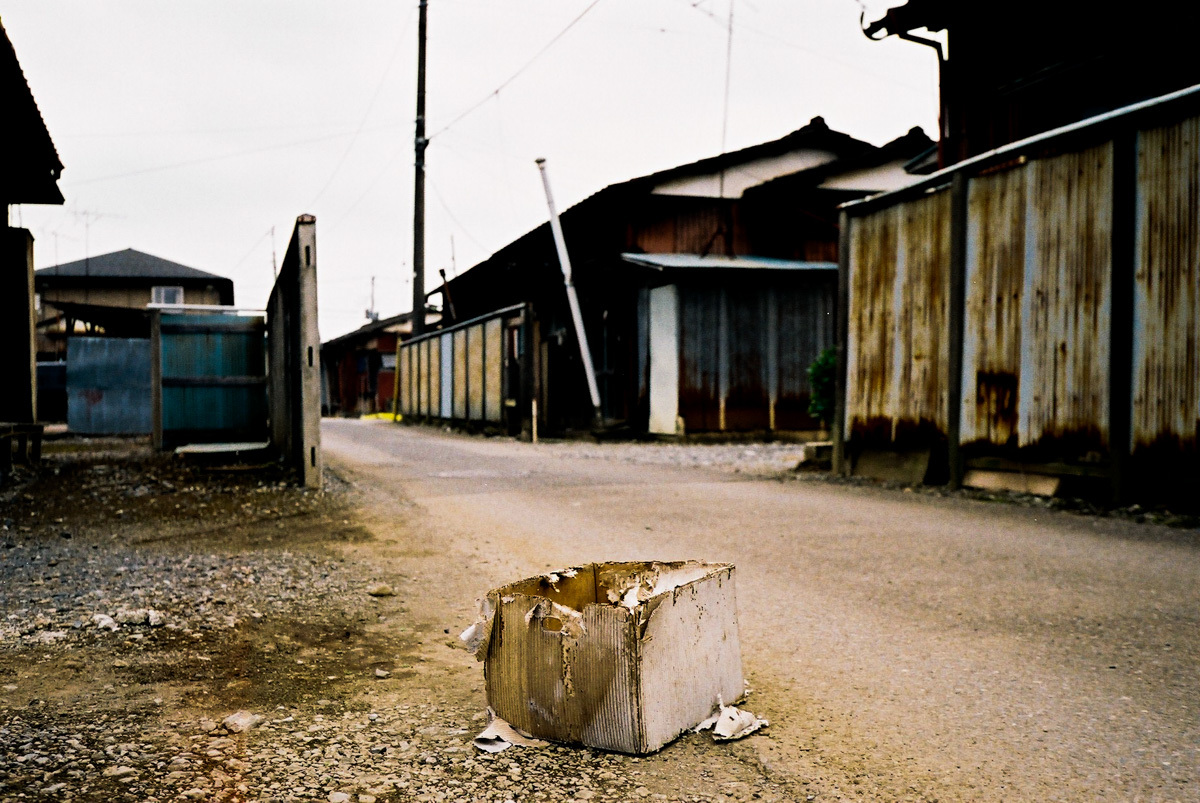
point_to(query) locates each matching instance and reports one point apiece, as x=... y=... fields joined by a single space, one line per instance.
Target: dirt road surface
x=903 y=647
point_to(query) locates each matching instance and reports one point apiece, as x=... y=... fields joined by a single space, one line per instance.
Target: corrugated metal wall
x=897 y=384
x=1166 y=355
x=995 y=278
x=457 y=374
x=108 y=386
x=1038 y=306
x=1078 y=264
x=744 y=352
x=212 y=370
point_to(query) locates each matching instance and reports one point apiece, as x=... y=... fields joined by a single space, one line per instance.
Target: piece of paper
x=729 y=723
x=499 y=735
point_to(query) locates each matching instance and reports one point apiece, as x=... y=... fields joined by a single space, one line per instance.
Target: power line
x=370 y=107
x=208 y=159
x=522 y=69
x=770 y=36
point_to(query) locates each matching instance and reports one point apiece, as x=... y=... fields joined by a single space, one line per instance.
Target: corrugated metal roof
x=127 y=264
x=711 y=262
x=32 y=165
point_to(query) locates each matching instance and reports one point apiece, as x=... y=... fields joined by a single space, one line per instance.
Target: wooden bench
x=28 y=440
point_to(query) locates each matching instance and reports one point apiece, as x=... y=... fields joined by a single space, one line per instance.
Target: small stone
x=241 y=721
x=154 y=618
x=207 y=726
x=119 y=772
x=380 y=590
x=131 y=616
x=338 y=797
x=120 y=663
x=105 y=622
x=382 y=673
x=366 y=799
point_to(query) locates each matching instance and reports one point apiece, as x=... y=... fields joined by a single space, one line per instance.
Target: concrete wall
x=293 y=356
x=18 y=360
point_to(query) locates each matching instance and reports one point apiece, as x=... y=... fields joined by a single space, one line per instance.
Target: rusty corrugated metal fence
x=1034 y=309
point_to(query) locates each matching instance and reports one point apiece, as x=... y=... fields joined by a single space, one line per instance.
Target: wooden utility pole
x=418 y=306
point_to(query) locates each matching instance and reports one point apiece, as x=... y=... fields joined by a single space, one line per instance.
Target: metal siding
x=446 y=381
x=435 y=377
x=898 y=350
x=747 y=402
x=922 y=343
x=805 y=329
x=493 y=369
x=406 y=380
x=460 y=374
x=995 y=268
x=421 y=376
x=699 y=357
x=475 y=377
x=108 y=386
x=869 y=342
x=227 y=350
x=1166 y=355
x=1066 y=306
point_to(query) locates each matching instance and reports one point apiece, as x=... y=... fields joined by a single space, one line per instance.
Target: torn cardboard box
x=617 y=656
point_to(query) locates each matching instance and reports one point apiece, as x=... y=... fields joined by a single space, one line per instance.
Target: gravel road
x=904 y=646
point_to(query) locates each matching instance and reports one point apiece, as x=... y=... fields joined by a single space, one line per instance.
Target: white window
x=166 y=295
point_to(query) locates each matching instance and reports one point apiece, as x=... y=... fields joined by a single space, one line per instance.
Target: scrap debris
x=729 y=723
x=499 y=735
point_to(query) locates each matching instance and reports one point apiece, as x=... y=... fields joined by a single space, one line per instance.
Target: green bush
x=822 y=377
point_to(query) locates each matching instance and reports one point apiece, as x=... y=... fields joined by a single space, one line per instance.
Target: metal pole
x=565 y=261
x=418 y=315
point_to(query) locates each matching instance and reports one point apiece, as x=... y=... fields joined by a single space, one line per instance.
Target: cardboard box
x=617 y=656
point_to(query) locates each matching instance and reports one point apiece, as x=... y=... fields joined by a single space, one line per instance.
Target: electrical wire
x=207 y=159
x=514 y=76
x=768 y=35
x=370 y=107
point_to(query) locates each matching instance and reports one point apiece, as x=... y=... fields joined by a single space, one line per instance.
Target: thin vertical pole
x=585 y=352
x=418 y=319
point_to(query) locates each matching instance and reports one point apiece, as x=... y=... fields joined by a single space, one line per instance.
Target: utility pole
x=418 y=313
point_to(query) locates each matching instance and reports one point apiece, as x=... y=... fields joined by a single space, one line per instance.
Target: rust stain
x=1166 y=368
x=1067 y=309
x=898 y=321
x=992 y=319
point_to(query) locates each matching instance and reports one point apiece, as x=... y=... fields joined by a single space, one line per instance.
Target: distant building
x=706 y=290
x=29 y=172
x=358 y=368
x=108 y=294
x=1015 y=69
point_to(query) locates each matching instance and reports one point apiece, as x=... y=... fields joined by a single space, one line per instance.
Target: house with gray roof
x=109 y=294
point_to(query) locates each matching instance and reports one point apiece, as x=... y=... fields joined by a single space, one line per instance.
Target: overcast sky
x=189 y=130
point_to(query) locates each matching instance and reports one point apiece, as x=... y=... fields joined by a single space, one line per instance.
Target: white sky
x=188 y=130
